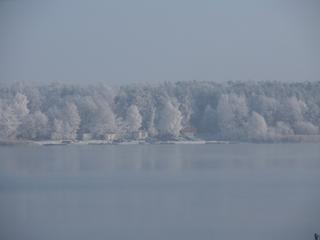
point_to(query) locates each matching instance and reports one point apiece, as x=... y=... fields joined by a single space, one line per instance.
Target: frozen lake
x=160 y=192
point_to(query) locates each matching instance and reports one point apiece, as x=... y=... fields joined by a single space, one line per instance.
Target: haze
x=119 y=42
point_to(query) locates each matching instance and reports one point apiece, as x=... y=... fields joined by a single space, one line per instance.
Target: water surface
x=144 y=192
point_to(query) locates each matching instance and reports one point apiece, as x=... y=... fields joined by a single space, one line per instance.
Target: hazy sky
x=121 y=41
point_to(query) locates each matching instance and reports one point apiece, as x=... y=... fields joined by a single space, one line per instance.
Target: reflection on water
x=101 y=160
x=242 y=191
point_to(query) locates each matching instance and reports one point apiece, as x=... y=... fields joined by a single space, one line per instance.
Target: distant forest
x=238 y=111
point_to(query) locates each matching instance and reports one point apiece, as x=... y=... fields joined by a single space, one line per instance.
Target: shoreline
x=139 y=142
x=104 y=142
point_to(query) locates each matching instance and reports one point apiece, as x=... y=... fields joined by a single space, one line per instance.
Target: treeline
x=246 y=111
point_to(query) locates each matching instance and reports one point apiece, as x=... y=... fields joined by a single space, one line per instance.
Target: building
x=188 y=132
x=86 y=137
x=110 y=137
x=140 y=135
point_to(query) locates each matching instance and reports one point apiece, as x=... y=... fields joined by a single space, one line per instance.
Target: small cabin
x=86 y=137
x=188 y=132
x=110 y=137
x=140 y=135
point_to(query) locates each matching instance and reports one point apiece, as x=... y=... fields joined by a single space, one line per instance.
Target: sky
x=126 y=41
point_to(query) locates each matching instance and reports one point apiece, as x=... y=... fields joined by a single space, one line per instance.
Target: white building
x=188 y=132
x=140 y=135
x=110 y=137
x=86 y=137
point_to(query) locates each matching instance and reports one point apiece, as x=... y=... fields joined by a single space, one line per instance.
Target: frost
x=244 y=111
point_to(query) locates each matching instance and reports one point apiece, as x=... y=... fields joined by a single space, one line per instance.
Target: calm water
x=151 y=192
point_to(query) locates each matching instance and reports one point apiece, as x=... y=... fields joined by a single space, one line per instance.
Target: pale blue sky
x=124 y=41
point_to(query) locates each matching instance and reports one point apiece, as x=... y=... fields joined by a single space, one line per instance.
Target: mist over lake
x=168 y=191
x=159 y=120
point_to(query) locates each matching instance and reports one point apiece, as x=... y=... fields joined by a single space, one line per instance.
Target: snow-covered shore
x=104 y=142
x=292 y=139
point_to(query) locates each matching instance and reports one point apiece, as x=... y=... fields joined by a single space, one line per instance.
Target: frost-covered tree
x=88 y=111
x=20 y=106
x=104 y=121
x=134 y=119
x=305 y=128
x=266 y=106
x=281 y=129
x=58 y=132
x=209 y=120
x=72 y=120
x=34 y=127
x=151 y=126
x=257 y=127
x=8 y=122
x=12 y=114
x=67 y=122
x=169 y=120
x=232 y=113
x=214 y=110
x=292 y=110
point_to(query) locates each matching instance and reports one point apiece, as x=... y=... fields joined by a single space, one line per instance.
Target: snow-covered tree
x=35 y=126
x=219 y=110
x=169 y=120
x=8 y=122
x=58 y=132
x=292 y=110
x=104 y=121
x=232 y=113
x=67 y=122
x=305 y=128
x=267 y=107
x=151 y=126
x=20 y=106
x=72 y=120
x=282 y=129
x=12 y=114
x=209 y=120
x=88 y=111
x=257 y=127
x=134 y=119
